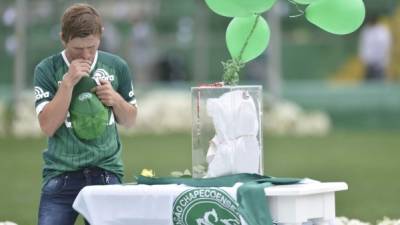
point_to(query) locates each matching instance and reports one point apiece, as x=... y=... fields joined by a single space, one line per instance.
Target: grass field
x=367 y=161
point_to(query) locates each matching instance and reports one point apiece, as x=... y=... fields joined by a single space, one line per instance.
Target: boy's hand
x=77 y=69
x=107 y=95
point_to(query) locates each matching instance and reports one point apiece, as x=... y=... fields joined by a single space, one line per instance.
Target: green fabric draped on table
x=250 y=196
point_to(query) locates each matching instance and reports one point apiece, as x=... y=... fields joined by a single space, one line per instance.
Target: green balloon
x=304 y=2
x=256 y=6
x=238 y=32
x=336 y=16
x=226 y=8
x=239 y=8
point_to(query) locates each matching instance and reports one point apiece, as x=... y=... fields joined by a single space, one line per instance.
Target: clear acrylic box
x=226 y=130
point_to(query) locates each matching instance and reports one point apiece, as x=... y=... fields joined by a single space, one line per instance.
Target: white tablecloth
x=153 y=204
x=131 y=204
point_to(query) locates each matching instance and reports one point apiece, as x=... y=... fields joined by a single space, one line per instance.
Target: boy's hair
x=80 y=20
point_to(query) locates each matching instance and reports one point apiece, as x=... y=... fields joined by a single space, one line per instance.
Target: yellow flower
x=147 y=173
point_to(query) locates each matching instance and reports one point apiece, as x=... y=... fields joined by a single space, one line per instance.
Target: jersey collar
x=67 y=62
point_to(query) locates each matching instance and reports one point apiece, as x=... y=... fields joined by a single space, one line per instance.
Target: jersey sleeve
x=125 y=87
x=44 y=88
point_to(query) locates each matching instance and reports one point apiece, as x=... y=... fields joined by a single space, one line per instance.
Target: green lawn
x=367 y=161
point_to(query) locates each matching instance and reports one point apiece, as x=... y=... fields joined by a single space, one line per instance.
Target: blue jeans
x=59 y=193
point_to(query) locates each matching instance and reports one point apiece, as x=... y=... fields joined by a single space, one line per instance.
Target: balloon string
x=301 y=12
x=248 y=37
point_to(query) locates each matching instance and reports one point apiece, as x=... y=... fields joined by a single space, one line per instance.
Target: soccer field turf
x=367 y=161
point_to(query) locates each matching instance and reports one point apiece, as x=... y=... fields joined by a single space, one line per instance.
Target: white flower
x=8 y=223
x=187 y=172
x=199 y=170
x=341 y=221
x=180 y=174
x=346 y=221
x=176 y=173
x=357 y=222
x=388 y=221
x=163 y=112
x=147 y=173
x=25 y=122
x=283 y=118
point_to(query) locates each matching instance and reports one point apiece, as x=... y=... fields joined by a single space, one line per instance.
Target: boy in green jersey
x=70 y=161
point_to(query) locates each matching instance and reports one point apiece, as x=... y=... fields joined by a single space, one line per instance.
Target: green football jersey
x=66 y=152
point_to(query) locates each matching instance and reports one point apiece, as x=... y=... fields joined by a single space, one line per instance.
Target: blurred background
x=329 y=113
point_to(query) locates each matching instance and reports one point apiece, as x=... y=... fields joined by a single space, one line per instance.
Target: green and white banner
x=205 y=206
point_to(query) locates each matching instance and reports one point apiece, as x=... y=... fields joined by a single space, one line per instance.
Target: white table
x=124 y=204
x=299 y=203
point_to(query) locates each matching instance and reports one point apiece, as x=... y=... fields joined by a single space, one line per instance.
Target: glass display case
x=226 y=130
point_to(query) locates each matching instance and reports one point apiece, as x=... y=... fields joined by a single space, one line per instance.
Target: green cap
x=89 y=116
x=85 y=84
